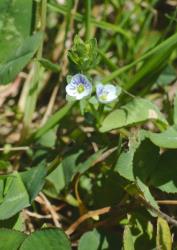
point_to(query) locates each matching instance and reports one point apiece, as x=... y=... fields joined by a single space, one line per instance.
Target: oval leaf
x=47 y=239
x=163 y=239
x=20 y=58
x=128 y=239
x=11 y=239
x=138 y=110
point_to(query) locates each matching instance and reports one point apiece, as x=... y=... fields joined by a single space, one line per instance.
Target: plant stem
x=99 y=24
x=33 y=89
x=88 y=4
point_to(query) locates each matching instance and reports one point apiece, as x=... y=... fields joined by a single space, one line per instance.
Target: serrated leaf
x=164 y=238
x=138 y=110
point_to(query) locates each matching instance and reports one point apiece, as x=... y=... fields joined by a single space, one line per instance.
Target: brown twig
x=105 y=155
x=50 y=208
x=169 y=219
x=29 y=226
x=167 y=202
x=98 y=212
x=86 y=216
x=36 y=215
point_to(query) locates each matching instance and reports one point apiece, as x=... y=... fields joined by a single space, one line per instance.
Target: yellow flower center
x=80 y=88
x=103 y=97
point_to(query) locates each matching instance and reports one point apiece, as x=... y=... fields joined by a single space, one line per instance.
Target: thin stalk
x=88 y=4
x=99 y=24
x=23 y=148
x=166 y=44
x=33 y=88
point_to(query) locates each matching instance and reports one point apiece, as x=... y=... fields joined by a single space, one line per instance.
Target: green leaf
x=20 y=190
x=166 y=139
x=124 y=164
x=84 y=54
x=95 y=240
x=158 y=55
x=164 y=176
x=128 y=239
x=55 y=182
x=60 y=8
x=15 y=197
x=11 y=239
x=15 y=25
x=52 y=121
x=175 y=109
x=46 y=239
x=89 y=240
x=1 y=189
x=142 y=230
x=147 y=75
x=164 y=238
x=147 y=195
x=20 y=58
x=69 y=166
x=4 y=164
x=34 y=179
x=49 y=65
x=84 y=166
x=48 y=139
x=167 y=76
x=136 y=111
x=139 y=161
x=16 y=222
x=65 y=172
x=145 y=160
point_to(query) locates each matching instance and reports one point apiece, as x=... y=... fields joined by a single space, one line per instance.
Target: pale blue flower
x=106 y=93
x=79 y=87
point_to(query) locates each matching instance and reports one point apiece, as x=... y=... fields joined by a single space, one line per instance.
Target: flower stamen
x=80 y=88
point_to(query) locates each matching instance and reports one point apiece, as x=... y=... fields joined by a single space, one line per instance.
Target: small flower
x=106 y=93
x=79 y=87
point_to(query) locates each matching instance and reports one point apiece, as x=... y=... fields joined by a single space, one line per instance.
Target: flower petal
x=99 y=88
x=73 y=90
x=106 y=93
